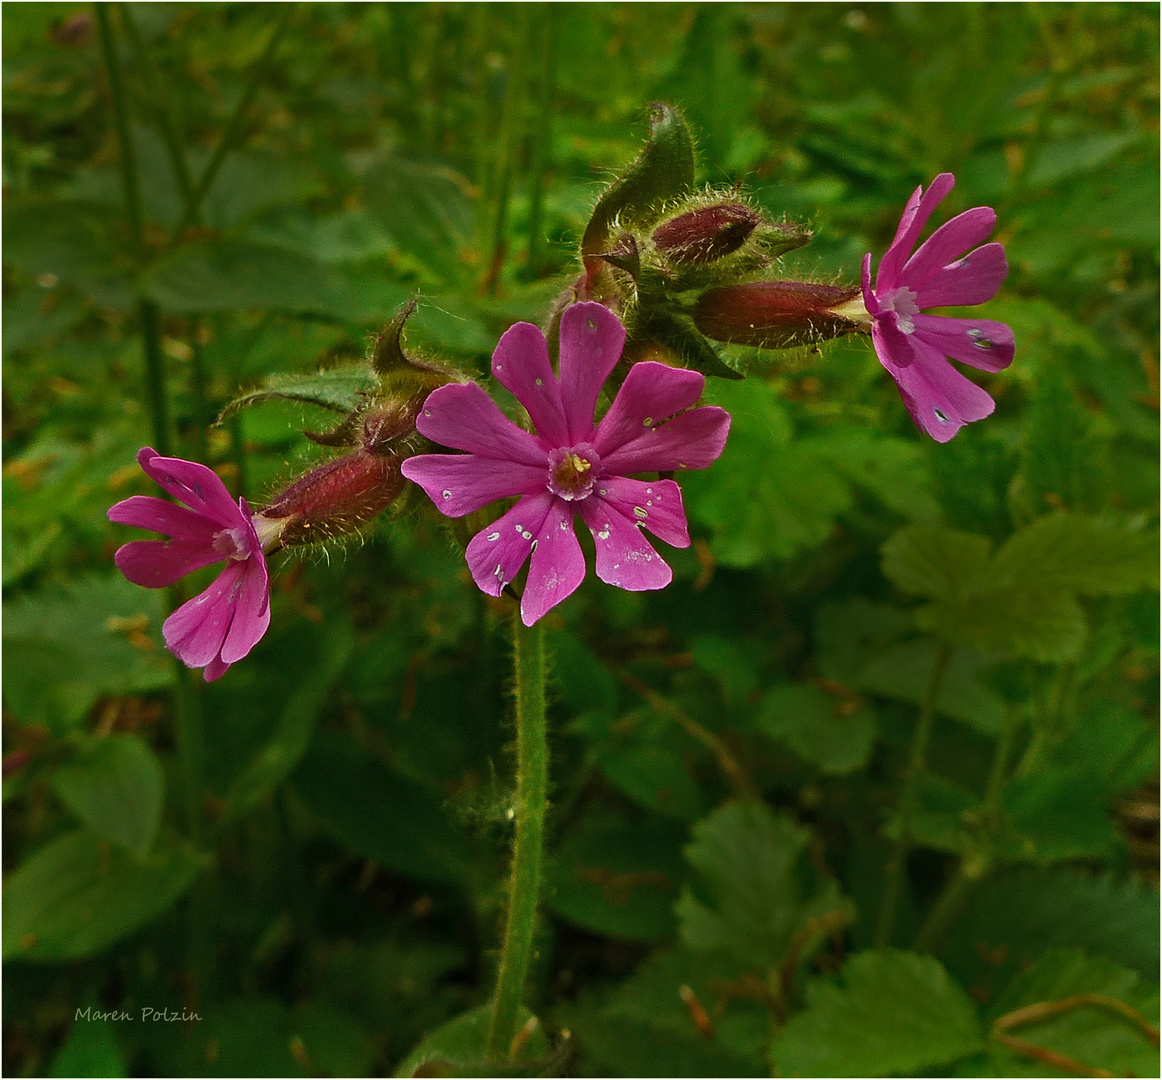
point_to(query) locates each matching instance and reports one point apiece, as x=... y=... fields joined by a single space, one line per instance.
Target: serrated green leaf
x=337 y=389
x=889 y=1013
x=817 y=728
x=938 y=563
x=115 y=786
x=77 y=895
x=1080 y=553
x=756 y=890
x=1096 y=1037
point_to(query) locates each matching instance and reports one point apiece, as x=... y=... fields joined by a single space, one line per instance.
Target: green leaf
x=378 y=813
x=340 y=389
x=617 y=876
x=1080 y=553
x=937 y=563
x=76 y=896
x=1018 y=915
x=238 y=275
x=90 y=1050
x=335 y=1043
x=115 y=786
x=654 y=776
x=67 y=646
x=664 y=169
x=457 y=1048
x=818 y=728
x=282 y=753
x=582 y=680
x=756 y=889
x=425 y=208
x=1095 y=1036
x=1057 y=814
x=889 y=1013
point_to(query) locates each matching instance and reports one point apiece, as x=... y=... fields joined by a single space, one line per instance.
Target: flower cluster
x=570 y=465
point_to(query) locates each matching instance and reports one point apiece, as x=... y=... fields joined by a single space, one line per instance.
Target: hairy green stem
x=193 y=206
x=894 y=872
x=531 y=793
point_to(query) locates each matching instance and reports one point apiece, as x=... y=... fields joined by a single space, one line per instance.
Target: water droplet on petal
x=604 y=533
x=539 y=382
x=978 y=338
x=492 y=537
x=647 y=421
x=649 y=491
x=942 y=417
x=526 y=535
x=520 y=528
x=640 y=512
x=683 y=465
x=564 y=526
x=446 y=493
x=602 y=491
x=427 y=412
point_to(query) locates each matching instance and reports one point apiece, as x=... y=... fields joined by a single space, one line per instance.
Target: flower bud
x=705 y=235
x=778 y=314
x=332 y=500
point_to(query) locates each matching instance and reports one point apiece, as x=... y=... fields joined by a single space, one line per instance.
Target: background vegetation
x=310 y=853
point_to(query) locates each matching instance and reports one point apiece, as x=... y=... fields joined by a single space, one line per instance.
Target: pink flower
x=570 y=466
x=913 y=346
x=221 y=625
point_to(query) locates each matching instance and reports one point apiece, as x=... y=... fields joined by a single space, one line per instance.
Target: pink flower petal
x=150 y=512
x=912 y=222
x=651 y=393
x=251 y=611
x=624 y=555
x=156 y=564
x=939 y=398
x=195 y=632
x=215 y=669
x=464 y=417
x=199 y=487
x=981 y=343
x=496 y=553
x=655 y=505
x=973 y=280
x=949 y=242
x=557 y=565
x=591 y=341
x=521 y=363
x=691 y=440
x=869 y=297
x=461 y=483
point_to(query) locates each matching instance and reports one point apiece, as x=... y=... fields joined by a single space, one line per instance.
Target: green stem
x=531 y=792
x=198 y=389
x=541 y=148
x=193 y=206
x=977 y=863
x=121 y=120
x=894 y=872
x=155 y=387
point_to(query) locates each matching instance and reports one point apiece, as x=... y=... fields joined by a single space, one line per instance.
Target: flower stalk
x=531 y=794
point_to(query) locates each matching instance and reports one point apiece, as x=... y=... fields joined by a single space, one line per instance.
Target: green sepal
x=686 y=343
x=387 y=353
x=664 y=170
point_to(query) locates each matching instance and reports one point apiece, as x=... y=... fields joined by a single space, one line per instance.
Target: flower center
x=903 y=302
x=231 y=543
x=573 y=471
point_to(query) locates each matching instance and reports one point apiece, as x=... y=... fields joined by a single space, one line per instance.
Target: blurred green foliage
x=310 y=853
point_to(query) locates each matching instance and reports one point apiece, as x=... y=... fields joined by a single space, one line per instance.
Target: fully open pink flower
x=913 y=346
x=222 y=624
x=570 y=465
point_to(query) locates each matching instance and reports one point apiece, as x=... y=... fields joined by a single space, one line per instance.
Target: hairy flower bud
x=332 y=500
x=705 y=235
x=778 y=314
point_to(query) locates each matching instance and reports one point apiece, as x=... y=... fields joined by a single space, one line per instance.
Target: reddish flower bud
x=705 y=235
x=331 y=500
x=778 y=314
